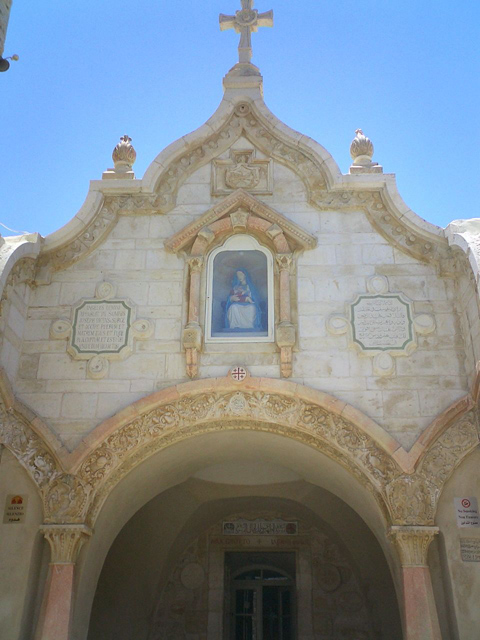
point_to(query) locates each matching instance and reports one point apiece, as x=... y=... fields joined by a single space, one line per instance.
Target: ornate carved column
x=65 y=542
x=420 y=612
x=192 y=334
x=285 y=331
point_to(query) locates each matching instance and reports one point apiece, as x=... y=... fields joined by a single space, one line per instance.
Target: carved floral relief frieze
x=64 y=495
x=405 y=498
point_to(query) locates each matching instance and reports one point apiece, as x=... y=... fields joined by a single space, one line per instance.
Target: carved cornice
x=413 y=543
x=65 y=541
x=97 y=230
x=405 y=237
x=22 y=272
x=245 y=120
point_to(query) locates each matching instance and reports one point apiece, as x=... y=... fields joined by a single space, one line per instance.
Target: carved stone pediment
x=240 y=210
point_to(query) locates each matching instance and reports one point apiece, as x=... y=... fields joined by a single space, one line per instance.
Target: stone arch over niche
x=240 y=213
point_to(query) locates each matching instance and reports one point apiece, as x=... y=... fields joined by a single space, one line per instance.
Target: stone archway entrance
x=156 y=442
x=245 y=561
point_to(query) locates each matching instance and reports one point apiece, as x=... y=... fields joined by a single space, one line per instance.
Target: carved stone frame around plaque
x=111 y=340
x=381 y=324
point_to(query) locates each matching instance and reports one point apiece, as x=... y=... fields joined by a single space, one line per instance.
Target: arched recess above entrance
x=165 y=531
x=189 y=410
x=176 y=464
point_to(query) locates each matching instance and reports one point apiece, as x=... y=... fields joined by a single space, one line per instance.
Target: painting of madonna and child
x=239 y=295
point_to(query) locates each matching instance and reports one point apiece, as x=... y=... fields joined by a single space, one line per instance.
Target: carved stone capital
x=65 y=541
x=195 y=264
x=413 y=543
x=284 y=261
x=192 y=336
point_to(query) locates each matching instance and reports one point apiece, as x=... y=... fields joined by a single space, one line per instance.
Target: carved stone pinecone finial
x=361 y=151
x=361 y=148
x=124 y=155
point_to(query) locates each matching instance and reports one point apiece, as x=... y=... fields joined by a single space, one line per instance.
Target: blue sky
x=407 y=73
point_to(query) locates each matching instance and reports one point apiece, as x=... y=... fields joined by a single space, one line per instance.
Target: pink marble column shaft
x=419 y=608
x=57 y=603
x=421 y=620
x=65 y=542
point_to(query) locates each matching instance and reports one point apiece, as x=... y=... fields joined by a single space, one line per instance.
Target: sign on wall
x=15 y=509
x=260 y=527
x=466 y=510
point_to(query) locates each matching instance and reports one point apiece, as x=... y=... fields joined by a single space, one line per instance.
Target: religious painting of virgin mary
x=239 y=294
x=242 y=309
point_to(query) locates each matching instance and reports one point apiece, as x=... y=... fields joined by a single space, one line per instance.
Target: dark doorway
x=260 y=602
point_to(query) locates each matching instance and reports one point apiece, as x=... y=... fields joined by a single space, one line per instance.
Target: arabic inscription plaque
x=381 y=322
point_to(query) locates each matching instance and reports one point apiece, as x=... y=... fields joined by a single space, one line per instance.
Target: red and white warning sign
x=467 y=512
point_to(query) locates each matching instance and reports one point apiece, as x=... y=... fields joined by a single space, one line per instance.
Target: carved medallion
x=241 y=171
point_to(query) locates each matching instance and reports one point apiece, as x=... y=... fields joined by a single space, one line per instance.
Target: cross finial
x=244 y=22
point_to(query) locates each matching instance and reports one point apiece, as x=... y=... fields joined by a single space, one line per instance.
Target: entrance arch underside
x=169 y=506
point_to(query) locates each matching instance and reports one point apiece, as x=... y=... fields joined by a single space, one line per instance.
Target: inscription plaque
x=381 y=322
x=470 y=549
x=101 y=326
x=260 y=527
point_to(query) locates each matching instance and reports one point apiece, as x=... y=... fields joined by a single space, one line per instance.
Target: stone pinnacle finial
x=124 y=155
x=361 y=151
x=361 y=148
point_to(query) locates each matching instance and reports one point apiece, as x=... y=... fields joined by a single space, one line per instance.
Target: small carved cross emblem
x=238 y=373
x=244 y=22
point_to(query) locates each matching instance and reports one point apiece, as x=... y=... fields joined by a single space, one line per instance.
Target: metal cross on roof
x=244 y=22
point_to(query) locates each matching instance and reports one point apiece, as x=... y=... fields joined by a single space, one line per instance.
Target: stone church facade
x=239 y=399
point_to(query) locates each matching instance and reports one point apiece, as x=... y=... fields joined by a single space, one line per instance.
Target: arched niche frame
x=241 y=247
x=242 y=214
